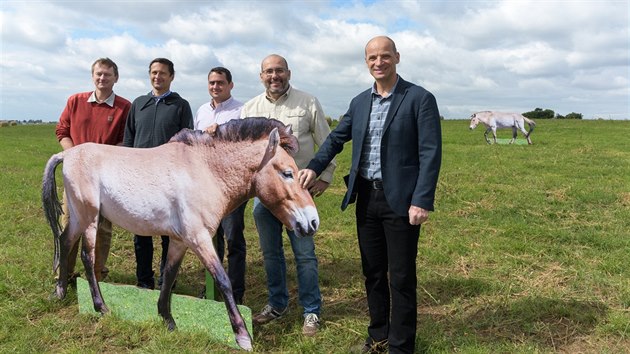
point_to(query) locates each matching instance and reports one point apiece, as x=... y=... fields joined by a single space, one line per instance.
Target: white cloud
x=510 y=55
x=24 y=27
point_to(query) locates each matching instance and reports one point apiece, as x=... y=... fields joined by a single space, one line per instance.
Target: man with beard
x=304 y=112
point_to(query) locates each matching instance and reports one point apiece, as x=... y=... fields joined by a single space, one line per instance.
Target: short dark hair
x=106 y=62
x=222 y=70
x=171 y=66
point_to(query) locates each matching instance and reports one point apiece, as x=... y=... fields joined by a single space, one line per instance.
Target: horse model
x=181 y=189
x=499 y=120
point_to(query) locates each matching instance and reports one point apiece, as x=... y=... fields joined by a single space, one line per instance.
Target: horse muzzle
x=306 y=222
x=308 y=230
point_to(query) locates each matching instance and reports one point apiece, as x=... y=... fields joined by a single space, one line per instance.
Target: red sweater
x=84 y=121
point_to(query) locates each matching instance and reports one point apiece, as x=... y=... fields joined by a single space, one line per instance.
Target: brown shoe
x=311 y=325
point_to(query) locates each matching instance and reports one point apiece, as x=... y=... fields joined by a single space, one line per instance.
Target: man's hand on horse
x=308 y=180
x=212 y=129
x=306 y=177
x=417 y=215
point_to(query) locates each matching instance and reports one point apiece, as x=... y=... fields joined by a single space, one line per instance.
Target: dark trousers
x=232 y=227
x=143 y=246
x=389 y=246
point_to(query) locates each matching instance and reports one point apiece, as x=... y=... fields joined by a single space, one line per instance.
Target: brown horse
x=181 y=189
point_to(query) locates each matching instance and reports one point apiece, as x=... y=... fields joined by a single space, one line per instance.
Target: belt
x=375 y=184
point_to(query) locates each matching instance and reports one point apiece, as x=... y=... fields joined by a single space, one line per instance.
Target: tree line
x=540 y=113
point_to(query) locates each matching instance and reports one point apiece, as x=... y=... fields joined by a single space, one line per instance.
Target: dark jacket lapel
x=399 y=94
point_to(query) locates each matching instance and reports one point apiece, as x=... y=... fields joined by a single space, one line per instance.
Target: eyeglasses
x=278 y=71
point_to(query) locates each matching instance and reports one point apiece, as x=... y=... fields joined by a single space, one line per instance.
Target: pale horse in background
x=502 y=120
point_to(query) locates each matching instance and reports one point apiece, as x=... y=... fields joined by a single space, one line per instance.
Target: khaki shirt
x=306 y=116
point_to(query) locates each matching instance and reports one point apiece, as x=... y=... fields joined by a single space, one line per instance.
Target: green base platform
x=507 y=141
x=191 y=314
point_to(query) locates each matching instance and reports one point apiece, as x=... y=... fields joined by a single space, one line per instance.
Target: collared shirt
x=370 y=165
x=225 y=111
x=306 y=116
x=160 y=97
x=109 y=100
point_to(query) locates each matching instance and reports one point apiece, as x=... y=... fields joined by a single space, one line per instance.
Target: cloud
x=21 y=27
x=569 y=56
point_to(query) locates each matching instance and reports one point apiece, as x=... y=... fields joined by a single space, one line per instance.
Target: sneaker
x=311 y=324
x=268 y=314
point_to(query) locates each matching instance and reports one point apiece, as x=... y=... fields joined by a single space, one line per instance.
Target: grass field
x=527 y=252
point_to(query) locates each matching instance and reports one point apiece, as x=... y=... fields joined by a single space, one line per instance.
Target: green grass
x=527 y=252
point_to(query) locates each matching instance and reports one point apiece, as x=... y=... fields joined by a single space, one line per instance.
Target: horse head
x=276 y=185
x=474 y=121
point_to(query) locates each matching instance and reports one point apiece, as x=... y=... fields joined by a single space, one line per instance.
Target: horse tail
x=52 y=206
x=531 y=124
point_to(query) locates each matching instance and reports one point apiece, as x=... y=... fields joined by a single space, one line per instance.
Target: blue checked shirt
x=370 y=166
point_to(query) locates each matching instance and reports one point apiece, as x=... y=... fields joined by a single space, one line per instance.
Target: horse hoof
x=170 y=325
x=58 y=294
x=104 y=310
x=244 y=342
x=101 y=309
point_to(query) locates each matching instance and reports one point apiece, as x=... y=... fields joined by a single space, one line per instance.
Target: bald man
x=396 y=155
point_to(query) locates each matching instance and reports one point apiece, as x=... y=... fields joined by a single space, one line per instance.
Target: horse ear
x=274 y=140
x=288 y=141
x=289 y=129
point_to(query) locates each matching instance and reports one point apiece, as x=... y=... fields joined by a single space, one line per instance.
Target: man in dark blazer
x=396 y=155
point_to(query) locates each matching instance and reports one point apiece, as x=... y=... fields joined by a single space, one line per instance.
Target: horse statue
x=181 y=189
x=500 y=120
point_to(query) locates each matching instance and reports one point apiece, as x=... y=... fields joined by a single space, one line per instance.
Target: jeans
x=270 y=237
x=143 y=246
x=232 y=227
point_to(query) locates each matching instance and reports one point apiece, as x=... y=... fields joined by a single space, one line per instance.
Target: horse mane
x=246 y=129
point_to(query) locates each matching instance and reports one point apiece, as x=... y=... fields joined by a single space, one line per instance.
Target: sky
x=515 y=56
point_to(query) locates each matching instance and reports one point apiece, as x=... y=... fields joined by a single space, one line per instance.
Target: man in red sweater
x=99 y=117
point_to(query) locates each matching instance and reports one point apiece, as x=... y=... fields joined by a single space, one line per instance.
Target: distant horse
x=181 y=189
x=499 y=120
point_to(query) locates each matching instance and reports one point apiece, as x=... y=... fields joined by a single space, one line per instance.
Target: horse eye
x=287 y=174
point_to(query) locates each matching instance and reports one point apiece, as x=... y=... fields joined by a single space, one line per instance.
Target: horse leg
x=208 y=256
x=88 y=256
x=526 y=133
x=485 y=135
x=68 y=239
x=176 y=252
x=513 y=134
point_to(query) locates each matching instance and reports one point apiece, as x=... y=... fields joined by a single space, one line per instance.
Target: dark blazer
x=411 y=147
